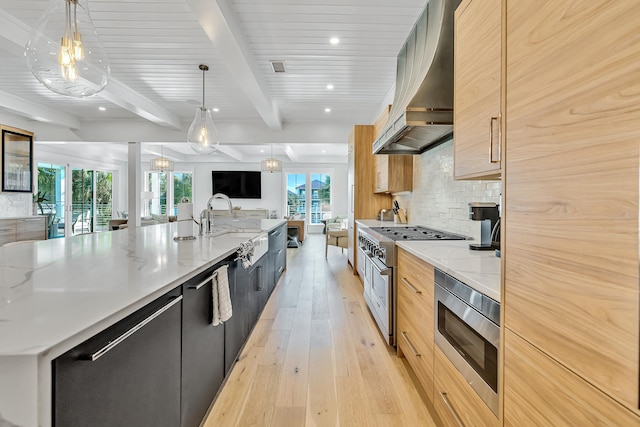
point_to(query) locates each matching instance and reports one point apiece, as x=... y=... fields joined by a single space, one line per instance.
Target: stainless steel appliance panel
x=468 y=337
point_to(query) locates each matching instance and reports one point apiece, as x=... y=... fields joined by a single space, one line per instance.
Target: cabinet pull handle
x=280 y=251
x=280 y=269
x=410 y=286
x=205 y=281
x=445 y=399
x=112 y=344
x=491 y=140
x=413 y=349
x=260 y=276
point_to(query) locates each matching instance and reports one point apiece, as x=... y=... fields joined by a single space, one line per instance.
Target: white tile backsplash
x=15 y=204
x=440 y=202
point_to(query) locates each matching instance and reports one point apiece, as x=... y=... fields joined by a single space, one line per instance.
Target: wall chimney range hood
x=421 y=116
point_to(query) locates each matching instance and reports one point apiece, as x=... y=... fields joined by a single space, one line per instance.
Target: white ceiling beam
x=231 y=152
x=220 y=22
x=37 y=112
x=123 y=96
x=14 y=35
x=290 y=153
x=160 y=150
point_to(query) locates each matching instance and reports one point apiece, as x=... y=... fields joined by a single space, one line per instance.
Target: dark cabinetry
x=163 y=365
x=248 y=298
x=203 y=367
x=127 y=375
x=277 y=256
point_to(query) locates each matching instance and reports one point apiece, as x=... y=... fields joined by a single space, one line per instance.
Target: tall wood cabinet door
x=477 y=86
x=571 y=186
x=540 y=392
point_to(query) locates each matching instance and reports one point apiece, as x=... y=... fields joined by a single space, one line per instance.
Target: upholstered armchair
x=336 y=223
x=338 y=238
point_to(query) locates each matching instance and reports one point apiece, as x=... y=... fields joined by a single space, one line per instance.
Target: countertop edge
x=492 y=292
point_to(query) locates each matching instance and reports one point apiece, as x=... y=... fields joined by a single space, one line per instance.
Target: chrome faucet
x=220 y=196
x=206 y=216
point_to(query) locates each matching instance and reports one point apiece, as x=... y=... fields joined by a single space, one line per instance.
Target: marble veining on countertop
x=53 y=289
x=479 y=269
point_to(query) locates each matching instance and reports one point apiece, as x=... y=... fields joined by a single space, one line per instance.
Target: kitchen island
x=56 y=294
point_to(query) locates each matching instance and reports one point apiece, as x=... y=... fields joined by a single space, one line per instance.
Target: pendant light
x=64 y=51
x=161 y=164
x=271 y=164
x=203 y=136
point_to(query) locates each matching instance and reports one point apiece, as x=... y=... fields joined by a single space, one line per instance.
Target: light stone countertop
x=52 y=290
x=478 y=269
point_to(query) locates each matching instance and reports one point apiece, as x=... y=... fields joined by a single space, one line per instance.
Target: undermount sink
x=242 y=233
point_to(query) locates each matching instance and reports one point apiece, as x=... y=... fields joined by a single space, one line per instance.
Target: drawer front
x=415 y=317
x=415 y=273
x=417 y=350
x=531 y=377
x=456 y=403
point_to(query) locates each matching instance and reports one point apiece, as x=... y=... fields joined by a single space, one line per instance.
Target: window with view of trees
x=164 y=190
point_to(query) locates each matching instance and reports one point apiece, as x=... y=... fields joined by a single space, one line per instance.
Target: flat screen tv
x=237 y=184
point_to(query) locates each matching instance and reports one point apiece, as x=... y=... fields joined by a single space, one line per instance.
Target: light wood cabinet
x=477 y=89
x=31 y=228
x=7 y=231
x=20 y=229
x=571 y=197
x=415 y=317
x=364 y=202
x=455 y=402
x=393 y=174
x=539 y=391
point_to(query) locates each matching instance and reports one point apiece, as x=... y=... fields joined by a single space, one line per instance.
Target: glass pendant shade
x=64 y=51
x=203 y=136
x=271 y=165
x=161 y=164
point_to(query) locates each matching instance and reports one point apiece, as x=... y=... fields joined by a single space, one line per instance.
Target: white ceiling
x=155 y=47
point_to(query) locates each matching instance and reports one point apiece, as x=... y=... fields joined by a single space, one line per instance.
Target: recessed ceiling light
x=262 y=151
x=102 y=109
x=324 y=151
x=334 y=40
x=330 y=86
x=327 y=110
x=215 y=110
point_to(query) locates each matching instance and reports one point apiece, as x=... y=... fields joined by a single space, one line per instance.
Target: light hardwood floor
x=315 y=357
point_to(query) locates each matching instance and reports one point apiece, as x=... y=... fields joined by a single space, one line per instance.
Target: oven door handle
x=381 y=269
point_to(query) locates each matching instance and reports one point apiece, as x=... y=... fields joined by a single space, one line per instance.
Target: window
x=162 y=191
x=318 y=199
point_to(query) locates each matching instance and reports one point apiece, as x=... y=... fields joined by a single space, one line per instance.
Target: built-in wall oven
x=376 y=261
x=467 y=330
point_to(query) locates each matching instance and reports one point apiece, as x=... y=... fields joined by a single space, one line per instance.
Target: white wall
x=440 y=202
x=273 y=185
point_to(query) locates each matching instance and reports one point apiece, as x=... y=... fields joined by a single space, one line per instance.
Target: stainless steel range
x=377 y=259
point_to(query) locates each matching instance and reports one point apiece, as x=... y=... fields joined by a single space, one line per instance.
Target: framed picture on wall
x=17 y=160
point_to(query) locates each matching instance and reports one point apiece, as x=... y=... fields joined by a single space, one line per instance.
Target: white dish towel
x=221 y=297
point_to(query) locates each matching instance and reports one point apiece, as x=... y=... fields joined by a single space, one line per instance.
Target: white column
x=135 y=184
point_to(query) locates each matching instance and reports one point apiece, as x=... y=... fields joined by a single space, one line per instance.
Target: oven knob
x=379 y=253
